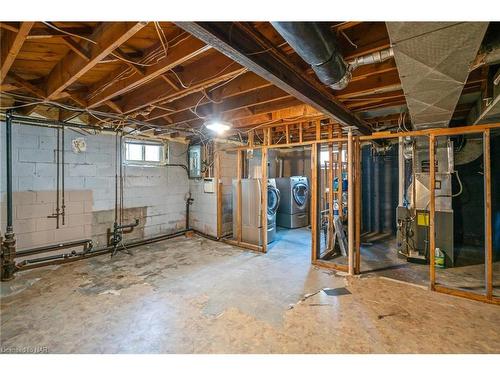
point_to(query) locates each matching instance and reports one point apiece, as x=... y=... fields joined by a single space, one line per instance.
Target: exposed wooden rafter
x=11 y=44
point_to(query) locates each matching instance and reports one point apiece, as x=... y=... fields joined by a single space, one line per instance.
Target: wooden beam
x=432 y=211
x=108 y=36
x=10 y=27
x=314 y=202
x=75 y=47
x=11 y=44
x=184 y=51
x=39 y=93
x=217 y=68
x=488 y=234
x=243 y=44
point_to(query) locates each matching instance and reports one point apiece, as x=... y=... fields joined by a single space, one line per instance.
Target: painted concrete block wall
x=157 y=193
x=203 y=211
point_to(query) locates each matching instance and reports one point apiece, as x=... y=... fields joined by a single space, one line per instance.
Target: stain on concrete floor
x=193 y=295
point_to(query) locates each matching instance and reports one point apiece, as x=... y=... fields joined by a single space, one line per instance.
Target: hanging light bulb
x=217 y=126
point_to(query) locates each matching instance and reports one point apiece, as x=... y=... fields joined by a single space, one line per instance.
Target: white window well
x=145 y=153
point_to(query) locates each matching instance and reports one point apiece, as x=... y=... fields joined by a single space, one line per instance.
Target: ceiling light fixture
x=218 y=126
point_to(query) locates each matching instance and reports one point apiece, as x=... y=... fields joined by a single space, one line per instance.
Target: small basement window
x=145 y=153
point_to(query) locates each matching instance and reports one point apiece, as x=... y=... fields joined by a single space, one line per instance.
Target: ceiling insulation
x=433 y=60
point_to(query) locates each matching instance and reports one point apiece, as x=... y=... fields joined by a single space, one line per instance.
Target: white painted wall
x=161 y=189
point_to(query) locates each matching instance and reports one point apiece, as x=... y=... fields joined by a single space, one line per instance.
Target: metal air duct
x=433 y=60
x=317 y=45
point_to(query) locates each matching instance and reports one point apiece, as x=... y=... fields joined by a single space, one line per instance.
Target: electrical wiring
x=349 y=39
x=67 y=32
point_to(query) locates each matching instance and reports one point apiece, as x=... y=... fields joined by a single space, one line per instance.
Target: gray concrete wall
x=156 y=194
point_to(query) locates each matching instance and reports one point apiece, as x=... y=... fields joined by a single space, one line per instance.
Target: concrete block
x=24 y=226
x=44 y=183
x=69 y=234
x=23 y=197
x=36 y=155
x=45 y=223
x=98 y=182
x=35 y=239
x=25 y=183
x=33 y=211
x=88 y=206
x=46 y=196
x=72 y=158
x=83 y=170
x=80 y=195
x=22 y=169
x=48 y=142
x=79 y=220
x=98 y=158
x=73 y=207
x=45 y=169
x=76 y=183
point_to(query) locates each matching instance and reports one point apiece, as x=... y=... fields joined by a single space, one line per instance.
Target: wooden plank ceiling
x=159 y=74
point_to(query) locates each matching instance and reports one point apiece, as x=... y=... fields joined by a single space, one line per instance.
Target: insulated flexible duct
x=317 y=45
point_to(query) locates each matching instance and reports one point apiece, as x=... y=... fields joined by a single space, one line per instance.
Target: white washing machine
x=293 y=210
x=251 y=228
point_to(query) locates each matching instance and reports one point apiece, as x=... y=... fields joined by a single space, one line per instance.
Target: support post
x=350 y=203
x=314 y=201
x=401 y=172
x=488 y=236
x=263 y=199
x=432 y=210
x=357 y=205
x=238 y=196
x=339 y=180
x=8 y=265
x=331 y=231
x=219 y=192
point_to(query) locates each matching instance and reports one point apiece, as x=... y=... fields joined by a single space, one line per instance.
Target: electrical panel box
x=209 y=185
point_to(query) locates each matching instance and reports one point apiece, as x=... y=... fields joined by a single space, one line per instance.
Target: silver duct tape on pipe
x=371 y=58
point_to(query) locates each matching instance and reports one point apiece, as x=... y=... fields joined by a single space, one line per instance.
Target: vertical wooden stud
x=314 y=201
x=432 y=210
x=357 y=204
x=301 y=138
x=488 y=235
x=287 y=133
x=339 y=180
x=238 y=196
x=350 y=204
x=331 y=231
x=318 y=130
x=263 y=211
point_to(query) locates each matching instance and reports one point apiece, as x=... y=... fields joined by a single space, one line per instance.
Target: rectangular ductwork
x=433 y=60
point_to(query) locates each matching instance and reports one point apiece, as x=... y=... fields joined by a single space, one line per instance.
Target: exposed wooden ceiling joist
x=107 y=37
x=11 y=44
x=243 y=45
x=185 y=50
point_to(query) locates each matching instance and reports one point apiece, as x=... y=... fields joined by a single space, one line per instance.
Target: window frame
x=146 y=163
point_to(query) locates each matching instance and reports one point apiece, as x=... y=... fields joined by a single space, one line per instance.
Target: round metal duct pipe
x=317 y=45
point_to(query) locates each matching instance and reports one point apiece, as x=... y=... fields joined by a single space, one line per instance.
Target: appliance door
x=273 y=200
x=300 y=193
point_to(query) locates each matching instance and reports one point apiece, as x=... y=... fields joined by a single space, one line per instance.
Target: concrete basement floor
x=193 y=295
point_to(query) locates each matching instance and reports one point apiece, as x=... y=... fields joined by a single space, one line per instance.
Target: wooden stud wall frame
x=336 y=137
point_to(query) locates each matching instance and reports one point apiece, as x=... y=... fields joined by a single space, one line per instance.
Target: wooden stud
x=350 y=203
x=432 y=210
x=301 y=139
x=339 y=168
x=331 y=230
x=263 y=206
x=314 y=202
x=238 y=196
x=251 y=138
x=488 y=235
x=318 y=130
x=357 y=204
x=287 y=133
x=218 y=171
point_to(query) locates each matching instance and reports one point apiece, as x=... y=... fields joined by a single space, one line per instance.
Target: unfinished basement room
x=250 y=187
